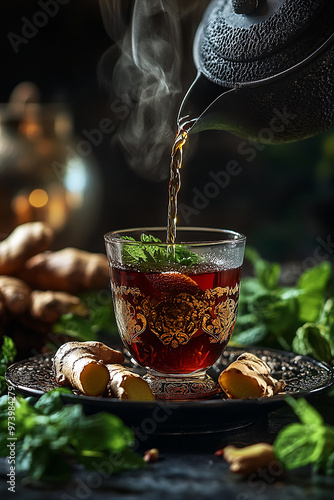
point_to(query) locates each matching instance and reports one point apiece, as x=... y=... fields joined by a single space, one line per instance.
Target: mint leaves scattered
x=52 y=438
x=7 y=356
x=145 y=254
x=309 y=442
x=298 y=318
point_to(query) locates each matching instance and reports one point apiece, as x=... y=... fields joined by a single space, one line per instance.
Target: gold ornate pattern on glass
x=130 y=320
x=220 y=317
x=132 y=324
x=175 y=319
x=193 y=387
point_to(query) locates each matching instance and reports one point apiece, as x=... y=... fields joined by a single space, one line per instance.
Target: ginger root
x=124 y=384
x=249 y=377
x=81 y=365
x=48 y=306
x=15 y=295
x=151 y=456
x=68 y=270
x=250 y=458
x=17 y=298
x=25 y=241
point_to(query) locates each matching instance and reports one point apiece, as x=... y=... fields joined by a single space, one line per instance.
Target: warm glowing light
x=21 y=208
x=31 y=129
x=38 y=198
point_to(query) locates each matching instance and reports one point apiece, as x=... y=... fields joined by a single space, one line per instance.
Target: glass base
x=198 y=386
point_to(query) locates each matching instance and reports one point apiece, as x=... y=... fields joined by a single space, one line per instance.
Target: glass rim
x=114 y=236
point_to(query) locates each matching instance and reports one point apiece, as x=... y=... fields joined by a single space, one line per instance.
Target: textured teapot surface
x=257 y=58
x=232 y=49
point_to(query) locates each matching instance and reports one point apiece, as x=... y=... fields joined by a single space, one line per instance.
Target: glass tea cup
x=176 y=305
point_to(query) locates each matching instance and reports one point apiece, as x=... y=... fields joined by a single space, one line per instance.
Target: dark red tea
x=176 y=323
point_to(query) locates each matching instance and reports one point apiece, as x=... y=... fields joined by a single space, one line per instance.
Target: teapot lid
x=242 y=41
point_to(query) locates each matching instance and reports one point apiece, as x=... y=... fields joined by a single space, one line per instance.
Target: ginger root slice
x=48 y=306
x=25 y=241
x=89 y=375
x=81 y=365
x=15 y=294
x=68 y=270
x=124 y=384
x=249 y=377
x=250 y=458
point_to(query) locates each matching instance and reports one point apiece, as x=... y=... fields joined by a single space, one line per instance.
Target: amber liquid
x=175 y=181
x=170 y=310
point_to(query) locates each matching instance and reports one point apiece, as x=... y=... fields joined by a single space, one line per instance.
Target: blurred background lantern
x=42 y=174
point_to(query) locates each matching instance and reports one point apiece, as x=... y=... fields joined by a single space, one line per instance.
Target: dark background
x=282 y=200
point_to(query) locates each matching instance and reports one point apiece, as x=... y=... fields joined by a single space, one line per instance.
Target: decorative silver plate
x=303 y=376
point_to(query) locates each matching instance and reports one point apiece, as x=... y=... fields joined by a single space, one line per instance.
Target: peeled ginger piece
x=82 y=365
x=250 y=458
x=249 y=377
x=125 y=384
x=90 y=376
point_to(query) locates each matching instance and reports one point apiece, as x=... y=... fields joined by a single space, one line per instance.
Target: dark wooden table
x=188 y=469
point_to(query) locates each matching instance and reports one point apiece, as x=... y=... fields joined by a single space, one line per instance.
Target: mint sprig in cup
x=176 y=305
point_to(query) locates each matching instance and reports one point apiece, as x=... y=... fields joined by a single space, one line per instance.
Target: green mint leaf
x=148 y=238
x=325 y=465
x=51 y=401
x=266 y=273
x=310 y=306
x=7 y=351
x=327 y=313
x=7 y=356
x=51 y=437
x=295 y=446
x=277 y=314
x=281 y=311
x=250 y=336
x=310 y=340
x=250 y=289
x=316 y=279
x=185 y=257
x=252 y=255
x=309 y=442
x=306 y=413
x=3 y=385
x=146 y=255
x=113 y=435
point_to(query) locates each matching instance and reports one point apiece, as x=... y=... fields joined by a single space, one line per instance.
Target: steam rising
x=146 y=78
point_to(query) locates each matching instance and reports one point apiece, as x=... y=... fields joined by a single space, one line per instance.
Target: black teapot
x=265 y=70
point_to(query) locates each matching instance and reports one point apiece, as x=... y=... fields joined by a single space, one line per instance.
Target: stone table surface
x=188 y=469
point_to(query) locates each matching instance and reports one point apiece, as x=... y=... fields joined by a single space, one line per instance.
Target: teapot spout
x=203 y=106
x=240 y=111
